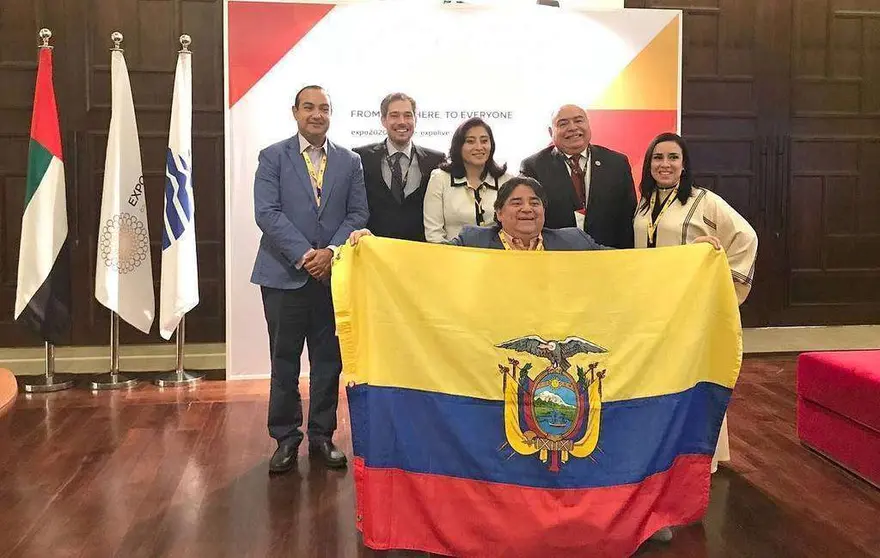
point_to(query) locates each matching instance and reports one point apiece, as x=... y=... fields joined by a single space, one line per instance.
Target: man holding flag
x=180 y=274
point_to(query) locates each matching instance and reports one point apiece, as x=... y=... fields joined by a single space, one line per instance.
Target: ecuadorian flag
x=532 y=403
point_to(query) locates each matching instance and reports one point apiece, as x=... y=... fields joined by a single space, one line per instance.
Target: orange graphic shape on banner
x=260 y=33
x=650 y=81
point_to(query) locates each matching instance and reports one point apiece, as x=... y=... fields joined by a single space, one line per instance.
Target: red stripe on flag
x=260 y=33
x=44 y=124
x=461 y=517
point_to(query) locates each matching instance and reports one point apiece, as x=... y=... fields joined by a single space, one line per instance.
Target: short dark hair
x=307 y=88
x=510 y=185
x=648 y=185
x=454 y=165
x=390 y=98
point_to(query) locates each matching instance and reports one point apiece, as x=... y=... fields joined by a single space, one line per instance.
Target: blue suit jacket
x=569 y=238
x=290 y=218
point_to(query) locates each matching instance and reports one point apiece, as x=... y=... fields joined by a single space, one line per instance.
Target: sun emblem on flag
x=553 y=413
x=124 y=242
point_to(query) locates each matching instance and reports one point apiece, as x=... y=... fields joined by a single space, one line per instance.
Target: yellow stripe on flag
x=430 y=317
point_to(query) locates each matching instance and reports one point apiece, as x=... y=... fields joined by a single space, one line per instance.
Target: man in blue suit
x=308 y=198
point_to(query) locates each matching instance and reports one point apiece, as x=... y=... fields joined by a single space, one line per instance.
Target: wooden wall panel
x=82 y=79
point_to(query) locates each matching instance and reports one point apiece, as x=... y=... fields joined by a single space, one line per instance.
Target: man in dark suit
x=586 y=179
x=308 y=198
x=396 y=172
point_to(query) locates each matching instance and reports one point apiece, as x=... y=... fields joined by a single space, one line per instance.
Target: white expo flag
x=123 y=275
x=180 y=273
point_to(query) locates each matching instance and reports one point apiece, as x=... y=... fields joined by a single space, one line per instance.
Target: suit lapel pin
x=598 y=163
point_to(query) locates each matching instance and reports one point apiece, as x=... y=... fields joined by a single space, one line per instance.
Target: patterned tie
x=397 y=177
x=577 y=179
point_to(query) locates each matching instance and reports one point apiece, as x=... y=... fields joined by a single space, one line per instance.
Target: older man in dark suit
x=308 y=198
x=584 y=181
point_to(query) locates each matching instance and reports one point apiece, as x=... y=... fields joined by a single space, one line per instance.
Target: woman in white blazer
x=463 y=189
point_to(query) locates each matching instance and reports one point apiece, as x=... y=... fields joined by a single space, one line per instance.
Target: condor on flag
x=42 y=299
x=180 y=273
x=570 y=410
x=123 y=275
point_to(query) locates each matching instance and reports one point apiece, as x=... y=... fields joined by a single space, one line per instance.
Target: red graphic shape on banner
x=260 y=33
x=630 y=132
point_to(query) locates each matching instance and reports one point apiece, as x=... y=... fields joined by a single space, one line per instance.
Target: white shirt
x=450 y=204
x=706 y=213
x=315 y=156
x=412 y=174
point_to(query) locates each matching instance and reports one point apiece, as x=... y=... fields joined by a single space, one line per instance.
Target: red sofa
x=838 y=408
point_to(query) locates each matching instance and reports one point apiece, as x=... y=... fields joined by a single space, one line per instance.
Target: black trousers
x=294 y=316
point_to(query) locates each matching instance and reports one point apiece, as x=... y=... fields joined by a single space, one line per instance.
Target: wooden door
x=830 y=196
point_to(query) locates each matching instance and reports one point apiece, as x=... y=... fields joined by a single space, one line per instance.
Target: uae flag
x=42 y=300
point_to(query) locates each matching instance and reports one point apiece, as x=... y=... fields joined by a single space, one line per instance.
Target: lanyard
x=652 y=223
x=318 y=177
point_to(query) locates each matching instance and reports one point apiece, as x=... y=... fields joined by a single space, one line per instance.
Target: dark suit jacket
x=288 y=214
x=567 y=239
x=612 y=197
x=387 y=217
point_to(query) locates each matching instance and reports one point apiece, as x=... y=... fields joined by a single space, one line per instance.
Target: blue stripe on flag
x=456 y=436
x=176 y=182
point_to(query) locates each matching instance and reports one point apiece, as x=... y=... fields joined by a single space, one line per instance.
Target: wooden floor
x=184 y=473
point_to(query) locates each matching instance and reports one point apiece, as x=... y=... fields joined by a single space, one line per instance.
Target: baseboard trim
x=132 y=358
x=212 y=356
x=788 y=340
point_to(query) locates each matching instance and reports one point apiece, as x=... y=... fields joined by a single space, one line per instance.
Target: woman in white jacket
x=463 y=189
x=675 y=211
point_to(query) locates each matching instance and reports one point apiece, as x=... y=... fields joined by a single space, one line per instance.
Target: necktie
x=577 y=179
x=397 y=177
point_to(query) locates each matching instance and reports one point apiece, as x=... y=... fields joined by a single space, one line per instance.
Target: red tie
x=577 y=179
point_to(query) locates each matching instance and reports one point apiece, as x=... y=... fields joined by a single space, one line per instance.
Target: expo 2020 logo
x=124 y=243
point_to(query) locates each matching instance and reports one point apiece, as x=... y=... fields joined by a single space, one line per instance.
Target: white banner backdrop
x=512 y=65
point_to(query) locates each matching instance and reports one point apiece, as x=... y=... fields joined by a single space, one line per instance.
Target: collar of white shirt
x=489 y=181
x=304 y=144
x=585 y=154
x=392 y=149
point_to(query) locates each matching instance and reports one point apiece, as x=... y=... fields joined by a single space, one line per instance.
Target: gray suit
x=289 y=216
x=297 y=307
x=566 y=239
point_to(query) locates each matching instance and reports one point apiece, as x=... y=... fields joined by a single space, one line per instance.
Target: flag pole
x=180 y=376
x=112 y=379
x=47 y=382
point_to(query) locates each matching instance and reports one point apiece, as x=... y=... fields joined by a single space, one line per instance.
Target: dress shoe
x=328 y=453
x=284 y=457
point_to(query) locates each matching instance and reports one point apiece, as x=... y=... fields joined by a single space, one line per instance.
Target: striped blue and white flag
x=180 y=273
